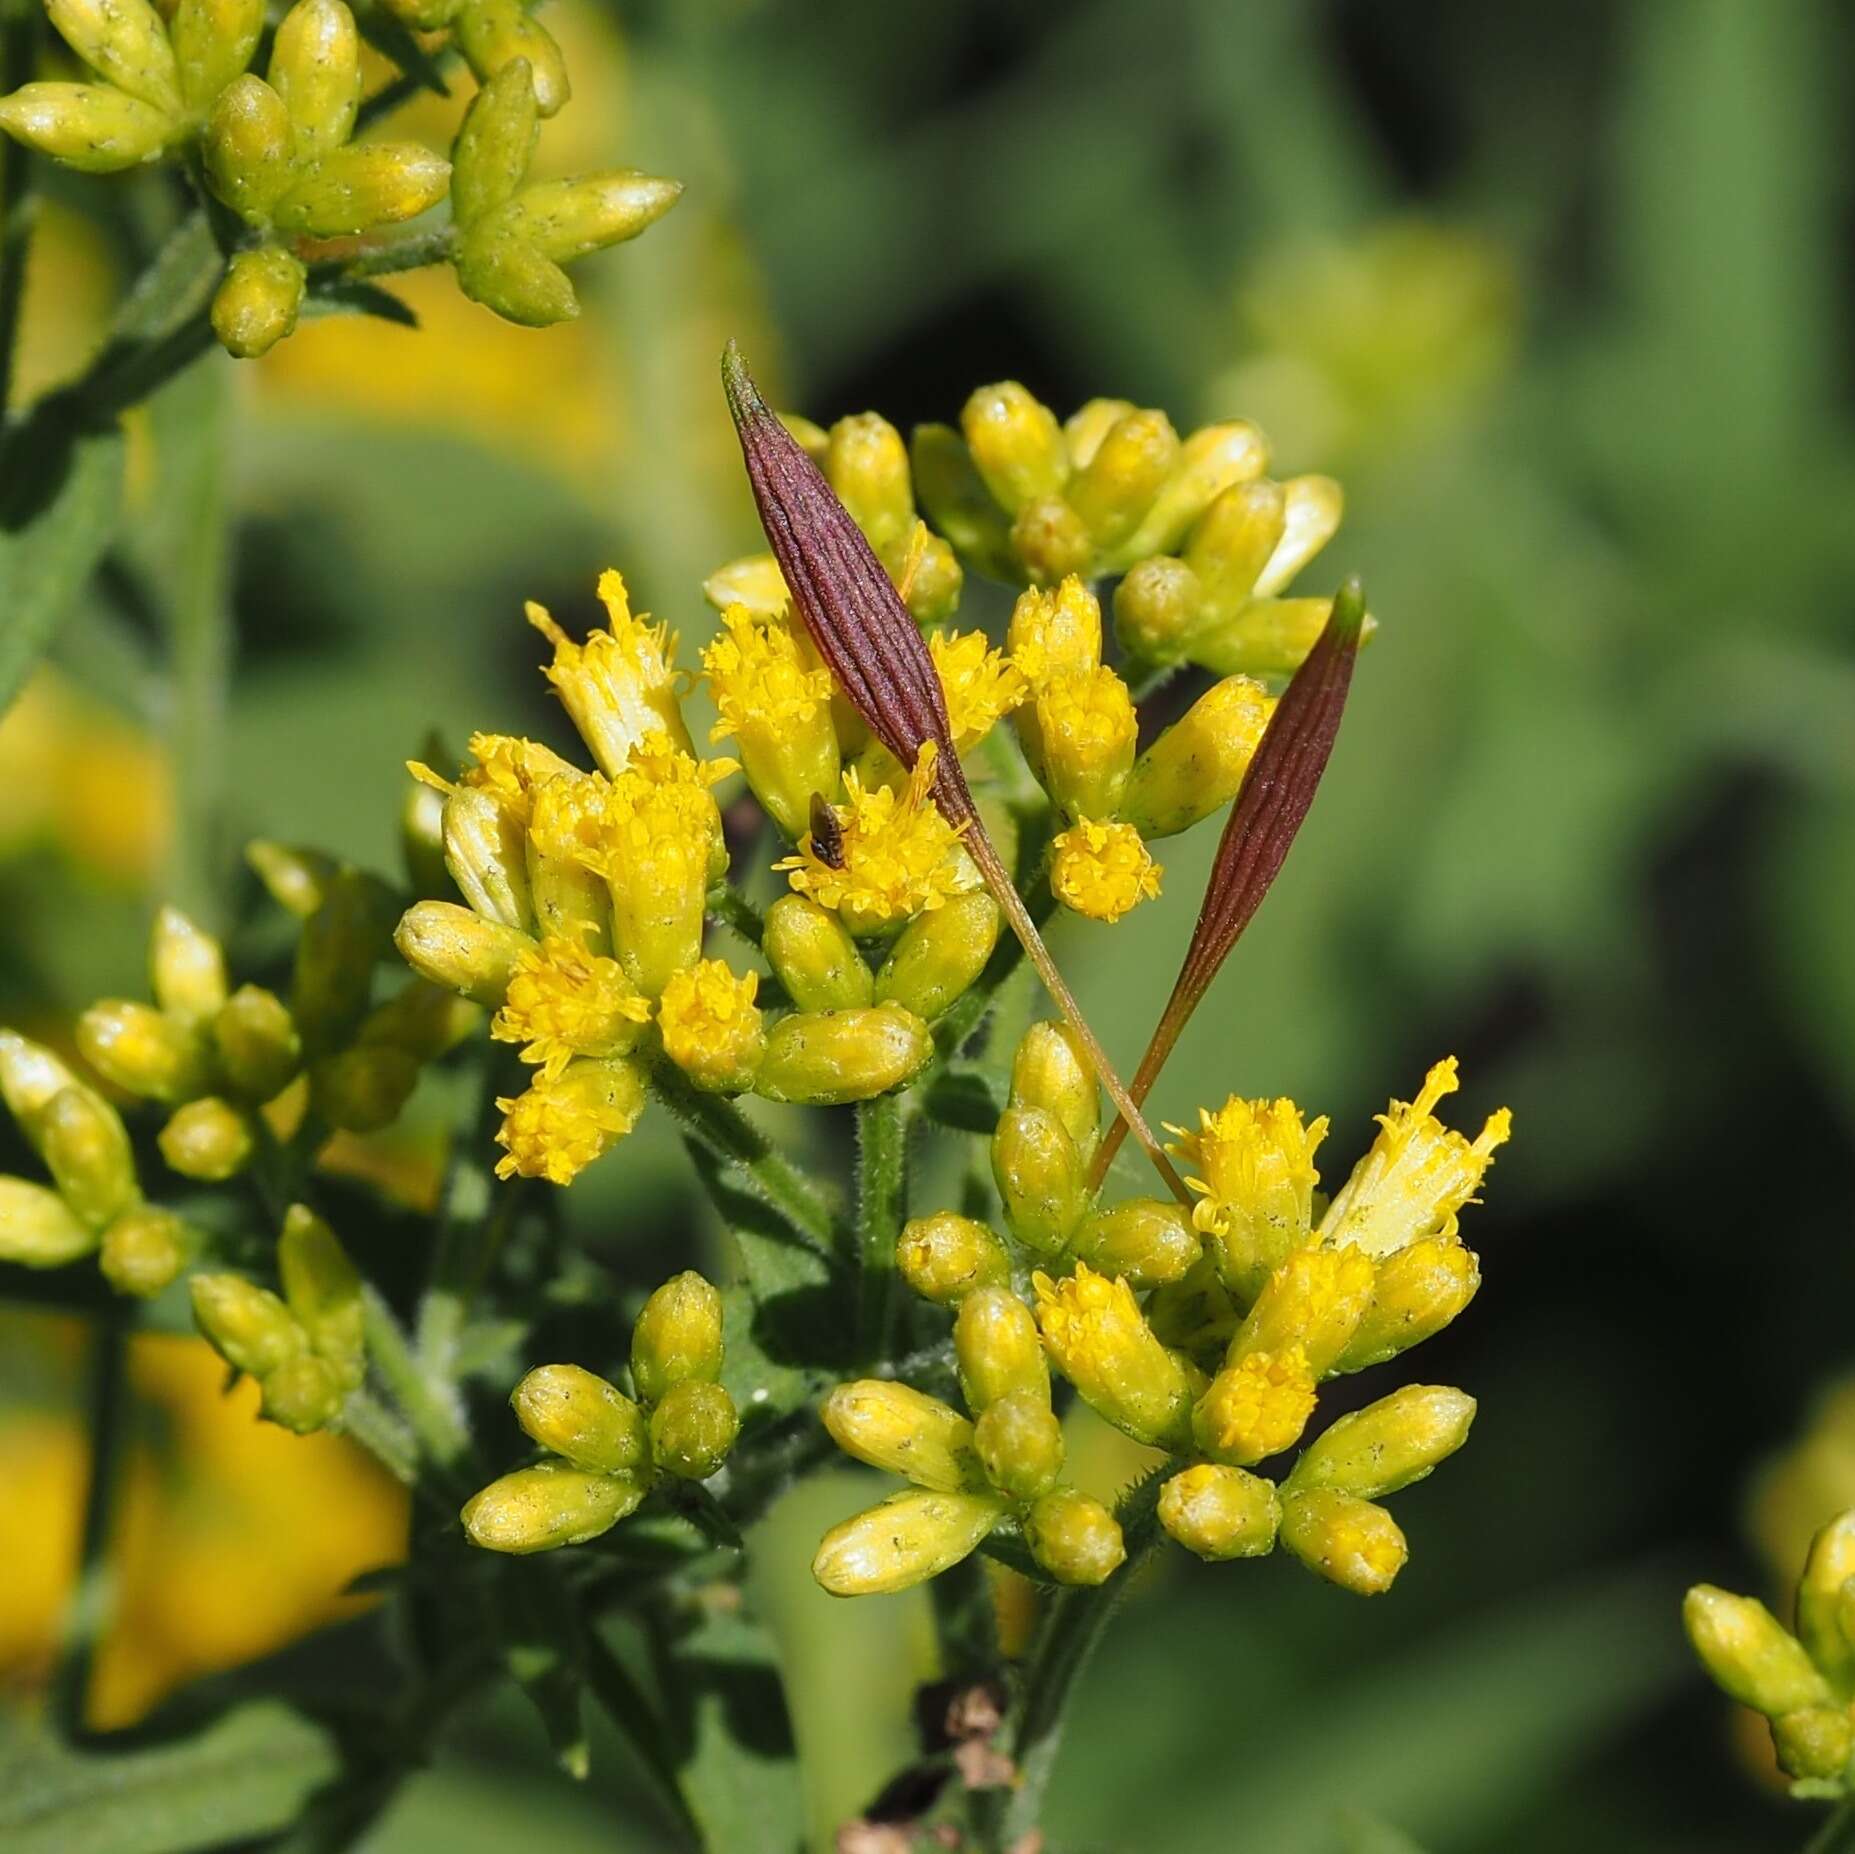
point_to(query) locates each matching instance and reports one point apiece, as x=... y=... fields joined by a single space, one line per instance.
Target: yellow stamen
x=564 y=1002
x=1102 y=870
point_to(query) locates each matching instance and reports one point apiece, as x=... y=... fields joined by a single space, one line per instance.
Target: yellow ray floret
x=1257 y=1407
x=564 y=1002
x=1417 y=1175
x=560 y=1126
x=711 y=1025
x=1103 y=870
x=980 y=684
x=896 y=855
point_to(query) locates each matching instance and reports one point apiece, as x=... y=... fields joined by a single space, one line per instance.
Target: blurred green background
x=1563 y=295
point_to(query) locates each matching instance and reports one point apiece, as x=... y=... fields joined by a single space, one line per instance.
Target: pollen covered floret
x=510 y=768
x=711 y=1027
x=1099 y=1339
x=980 y=684
x=1102 y=870
x=1256 y=1408
x=561 y=1125
x=896 y=855
x=564 y=1002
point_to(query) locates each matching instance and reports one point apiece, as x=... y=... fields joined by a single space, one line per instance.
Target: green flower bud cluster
x=492 y=35
x=607 y=1450
x=998 y=1472
x=1803 y=1682
x=305 y=1346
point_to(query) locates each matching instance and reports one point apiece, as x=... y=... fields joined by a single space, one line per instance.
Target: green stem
x=432 y=1409
x=93 y=1597
x=414 y=253
x=382 y=1434
x=882 y=1204
x=1837 y=1835
x=18 y=36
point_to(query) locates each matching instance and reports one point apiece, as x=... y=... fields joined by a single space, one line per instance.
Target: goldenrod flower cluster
x=606 y=1450
x=1802 y=1681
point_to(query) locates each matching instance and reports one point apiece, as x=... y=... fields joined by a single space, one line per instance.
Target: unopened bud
x=213 y=41
x=208 y=1139
x=493 y=33
x=316 y=68
x=1040 y=1177
x=509 y=276
x=904 y=1541
x=946 y=1256
x=1415 y=1294
x=693 y=1429
x=144 y=1249
x=495 y=144
x=323 y=1291
x=37 y=1227
x=578 y=1415
x=186 y=968
x=1088 y=730
x=141 y=1051
x=30 y=1076
x=1051 y=1070
x=87 y=126
x=1050 y=540
x=296 y=879
x=1210 y=461
x=905 y=1432
x=1130 y=465
x=827 y=1058
x=1020 y=1443
x=84 y=1143
x=939 y=954
x=678 y=1336
x=1823 y=1601
x=567 y=219
x=1076 y=1539
x=1196 y=766
x=257 y=1042
x=364 y=184
x=866 y=463
x=361 y=1090
x=815 y=958
x=549 y=1505
x=249 y=148
x=1268 y=637
x=1344 y=1539
x=996 y=1346
x=459 y=949
x=1016 y=444
x=341 y=943
x=248 y=1326
x=1750 y=1654
x=1220 y=1512
x=256 y=306
x=951 y=490
x=1814 y=1743
x=303 y=1394
x=125 y=42
x=1147 y=1241
x=1389 y=1444
x=1157 y=607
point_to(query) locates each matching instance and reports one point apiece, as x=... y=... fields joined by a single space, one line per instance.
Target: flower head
x=1256 y=1407
x=510 y=767
x=980 y=683
x=561 y=1125
x=564 y=1002
x=711 y=1025
x=1088 y=729
x=1102 y=870
x=1098 y=1338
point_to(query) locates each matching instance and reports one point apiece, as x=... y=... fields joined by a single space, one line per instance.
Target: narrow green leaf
x=966 y=1097
x=356 y=296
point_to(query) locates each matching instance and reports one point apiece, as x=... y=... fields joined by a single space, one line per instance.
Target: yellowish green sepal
x=996 y=1346
x=249 y=149
x=1041 y=1178
x=125 y=43
x=693 y=1429
x=82 y=1140
x=460 y=950
x=1388 y=1445
x=256 y=306
x=144 y=1249
x=316 y=68
x=1751 y=1655
x=1148 y=1242
x=939 y=955
x=353 y=188
x=213 y=41
x=1019 y=1442
x=248 y=1326
x=493 y=33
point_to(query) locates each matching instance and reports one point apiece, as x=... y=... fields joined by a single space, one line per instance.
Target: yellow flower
x=1102 y=870
x=711 y=1026
x=1055 y=632
x=560 y=1126
x=1255 y=1161
x=1088 y=729
x=1314 y=1301
x=1100 y=1341
x=618 y=686
x=510 y=768
x=1256 y=1407
x=564 y=1002
x=896 y=855
x=1417 y=1175
x=980 y=684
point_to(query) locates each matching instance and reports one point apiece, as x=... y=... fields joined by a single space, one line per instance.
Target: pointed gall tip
x=743 y=395
x=1348 y=619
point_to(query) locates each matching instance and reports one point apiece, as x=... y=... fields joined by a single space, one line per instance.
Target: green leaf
x=355 y=296
x=58 y=510
x=967 y=1097
x=248 y=1774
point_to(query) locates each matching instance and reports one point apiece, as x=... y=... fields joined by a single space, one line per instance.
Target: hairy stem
x=882 y=1204
x=431 y=1409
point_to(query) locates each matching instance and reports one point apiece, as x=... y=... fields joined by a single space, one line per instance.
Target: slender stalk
x=1837 y=1835
x=93 y=1598
x=431 y=1409
x=384 y=259
x=882 y=1204
x=18 y=203
x=382 y=1434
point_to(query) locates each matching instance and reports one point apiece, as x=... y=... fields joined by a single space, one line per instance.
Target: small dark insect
x=827 y=833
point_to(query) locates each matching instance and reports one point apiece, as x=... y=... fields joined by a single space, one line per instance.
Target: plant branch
x=431 y=1409
x=882 y=1204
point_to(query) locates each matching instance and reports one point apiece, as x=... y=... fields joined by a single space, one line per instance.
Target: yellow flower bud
x=486 y=851
x=139 y=1050
x=1315 y=1301
x=950 y=488
x=677 y=1336
x=208 y=1139
x=364 y=184
x=1415 y=1294
x=1212 y=459
x=905 y=1432
x=567 y=219
x=341 y=943
x=256 y=306
x=186 y=968
x=1156 y=608
x=1016 y=445
x=1086 y=427
x=1231 y=545
x=91 y=127
x=562 y=1002
x=1311 y=510
x=493 y=33
x=1101 y=870
x=1020 y=1443
x=30 y=1075
x=1087 y=727
x=711 y=1028
x=1814 y=1743
x=1054 y=634
x=909 y=1538
x=37 y=1228
x=84 y=1143
x=460 y=950
x=1051 y=541
x=995 y=1344
x=945 y=1257
x=248 y=1326
x=549 y=1505
x=1267 y=637
x=693 y=1429
x=1387 y=1445
x=495 y=144
x=1076 y=1539
x=512 y=278
x=1750 y=1654
x=361 y=1090
x=866 y=463
x=814 y=957
x=1256 y=1407
x=143 y=1250
x=1195 y=1315
x=1220 y=1512
x=125 y=43
x=827 y=1058
x=938 y=955
x=303 y=1394
x=570 y=901
x=1821 y=1606
x=1145 y=1241
x=249 y=148
x=1344 y=1539
x=323 y=1291
x=213 y=41
x=1129 y=466
x=316 y=68
x=578 y=1415
x=1100 y=1341
x=1195 y=767
x=1051 y=1070
x=297 y=880
x=1041 y=1177
x=560 y=1126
